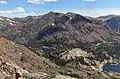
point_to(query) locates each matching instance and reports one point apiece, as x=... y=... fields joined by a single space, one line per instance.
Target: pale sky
x=22 y=8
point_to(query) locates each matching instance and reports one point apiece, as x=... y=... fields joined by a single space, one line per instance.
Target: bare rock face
x=63 y=77
x=77 y=52
x=16 y=59
x=39 y=75
x=10 y=71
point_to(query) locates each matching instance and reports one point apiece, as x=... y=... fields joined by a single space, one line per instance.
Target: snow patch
x=8 y=19
x=53 y=24
x=11 y=20
x=98 y=44
x=1 y=19
x=70 y=17
x=11 y=23
x=20 y=53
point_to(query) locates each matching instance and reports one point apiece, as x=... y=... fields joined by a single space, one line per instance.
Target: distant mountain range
x=107 y=17
x=60 y=45
x=112 y=21
x=59 y=31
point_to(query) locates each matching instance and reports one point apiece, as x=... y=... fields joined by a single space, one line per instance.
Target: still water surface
x=114 y=68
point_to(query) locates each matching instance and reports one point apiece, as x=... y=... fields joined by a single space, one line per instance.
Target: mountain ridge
x=60 y=44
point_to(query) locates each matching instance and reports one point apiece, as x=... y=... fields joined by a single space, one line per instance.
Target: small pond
x=110 y=67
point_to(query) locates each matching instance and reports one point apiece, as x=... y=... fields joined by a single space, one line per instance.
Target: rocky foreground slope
x=58 y=46
x=18 y=61
x=17 y=57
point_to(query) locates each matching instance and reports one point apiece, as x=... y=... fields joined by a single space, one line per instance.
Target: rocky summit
x=57 y=46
